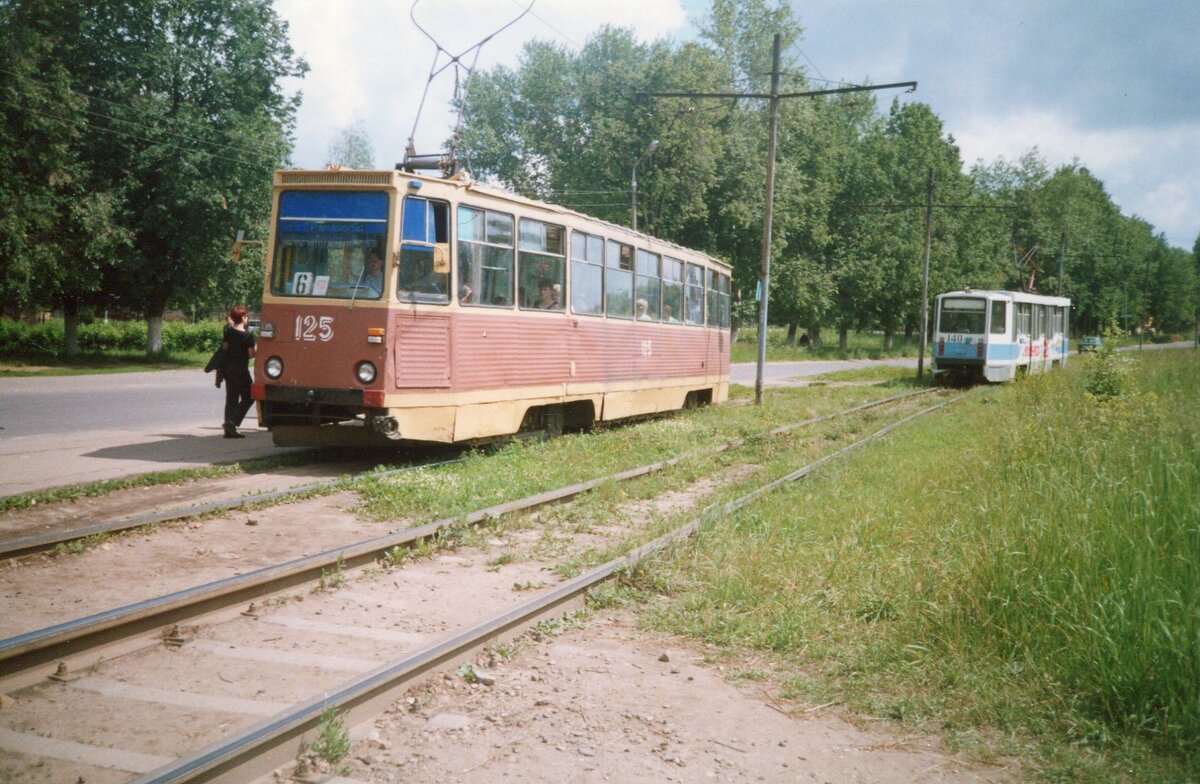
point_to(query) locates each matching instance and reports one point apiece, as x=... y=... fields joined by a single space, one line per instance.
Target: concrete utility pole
x=772 y=135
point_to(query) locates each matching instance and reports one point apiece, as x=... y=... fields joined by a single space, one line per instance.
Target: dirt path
x=609 y=702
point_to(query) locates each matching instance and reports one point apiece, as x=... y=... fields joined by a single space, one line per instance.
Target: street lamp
x=633 y=181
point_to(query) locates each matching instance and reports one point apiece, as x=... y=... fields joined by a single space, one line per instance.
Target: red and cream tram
x=404 y=307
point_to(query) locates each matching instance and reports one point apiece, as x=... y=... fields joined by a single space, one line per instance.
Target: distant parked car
x=1090 y=343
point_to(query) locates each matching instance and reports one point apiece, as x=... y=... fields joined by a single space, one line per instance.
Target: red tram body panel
x=402 y=307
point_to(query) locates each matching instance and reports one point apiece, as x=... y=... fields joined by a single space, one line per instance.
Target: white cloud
x=1152 y=172
x=368 y=61
x=992 y=136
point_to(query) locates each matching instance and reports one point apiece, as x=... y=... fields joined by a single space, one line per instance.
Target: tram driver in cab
x=373 y=279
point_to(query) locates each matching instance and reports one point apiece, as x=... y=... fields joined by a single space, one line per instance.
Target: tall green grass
x=1091 y=568
x=1028 y=562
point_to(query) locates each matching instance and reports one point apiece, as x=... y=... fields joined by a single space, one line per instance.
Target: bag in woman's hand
x=217 y=362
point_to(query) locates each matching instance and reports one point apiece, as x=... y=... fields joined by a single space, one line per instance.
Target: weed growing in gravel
x=333 y=738
x=553 y=627
x=503 y=559
x=77 y=546
x=333 y=579
x=395 y=556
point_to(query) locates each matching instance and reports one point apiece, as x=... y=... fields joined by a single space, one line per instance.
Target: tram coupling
x=387 y=425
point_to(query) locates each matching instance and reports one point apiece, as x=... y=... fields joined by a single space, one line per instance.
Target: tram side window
x=424 y=274
x=647 y=287
x=999 y=317
x=672 y=290
x=485 y=257
x=1024 y=319
x=618 y=294
x=541 y=265
x=587 y=274
x=713 y=298
x=695 y=294
x=723 y=301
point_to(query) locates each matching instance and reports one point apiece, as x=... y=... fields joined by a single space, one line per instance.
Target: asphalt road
x=777 y=374
x=65 y=430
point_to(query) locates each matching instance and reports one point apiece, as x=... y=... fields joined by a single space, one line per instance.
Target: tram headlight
x=365 y=372
x=273 y=367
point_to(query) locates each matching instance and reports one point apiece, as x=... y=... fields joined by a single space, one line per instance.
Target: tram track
x=20 y=546
x=227 y=759
x=111 y=630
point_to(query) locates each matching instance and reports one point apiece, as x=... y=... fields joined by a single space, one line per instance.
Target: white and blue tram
x=993 y=335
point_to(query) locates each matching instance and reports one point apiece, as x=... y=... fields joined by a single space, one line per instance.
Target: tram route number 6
x=312 y=328
x=647 y=348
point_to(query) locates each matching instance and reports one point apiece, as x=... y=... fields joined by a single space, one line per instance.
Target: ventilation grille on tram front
x=335 y=178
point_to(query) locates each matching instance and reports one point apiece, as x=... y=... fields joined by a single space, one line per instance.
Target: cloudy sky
x=1113 y=83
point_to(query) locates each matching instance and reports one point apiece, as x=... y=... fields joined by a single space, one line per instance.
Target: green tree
x=182 y=121
x=59 y=228
x=352 y=148
x=569 y=128
x=741 y=34
x=202 y=80
x=1173 y=288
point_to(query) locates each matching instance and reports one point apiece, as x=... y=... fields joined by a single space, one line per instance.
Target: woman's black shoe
x=231 y=432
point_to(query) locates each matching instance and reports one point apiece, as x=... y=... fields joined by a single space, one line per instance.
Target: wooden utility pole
x=768 y=209
x=1062 y=261
x=768 y=215
x=925 y=277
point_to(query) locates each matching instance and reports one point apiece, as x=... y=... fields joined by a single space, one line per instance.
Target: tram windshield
x=331 y=244
x=962 y=316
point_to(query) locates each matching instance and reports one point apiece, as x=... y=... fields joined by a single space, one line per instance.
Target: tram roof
x=465 y=182
x=1015 y=296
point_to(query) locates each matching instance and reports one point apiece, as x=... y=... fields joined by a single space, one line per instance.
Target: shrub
x=1108 y=375
x=182 y=337
x=17 y=337
x=100 y=336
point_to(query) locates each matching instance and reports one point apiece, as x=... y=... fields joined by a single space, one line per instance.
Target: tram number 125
x=312 y=328
x=647 y=348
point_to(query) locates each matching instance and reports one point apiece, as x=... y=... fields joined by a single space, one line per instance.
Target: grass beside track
x=1020 y=573
x=155 y=478
x=521 y=468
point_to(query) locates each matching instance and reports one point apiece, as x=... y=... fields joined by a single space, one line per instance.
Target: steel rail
x=267 y=745
x=26 y=652
x=27 y=545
